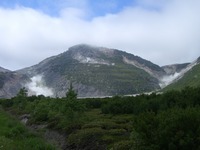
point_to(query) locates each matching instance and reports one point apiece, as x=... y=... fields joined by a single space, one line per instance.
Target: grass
x=15 y=136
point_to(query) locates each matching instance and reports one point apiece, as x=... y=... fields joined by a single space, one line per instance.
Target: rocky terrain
x=11 y=82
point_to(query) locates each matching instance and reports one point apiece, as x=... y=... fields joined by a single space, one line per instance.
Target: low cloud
x=37 y=87
x=163 y=33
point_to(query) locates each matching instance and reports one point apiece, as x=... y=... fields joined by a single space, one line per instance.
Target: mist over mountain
x=93 y=72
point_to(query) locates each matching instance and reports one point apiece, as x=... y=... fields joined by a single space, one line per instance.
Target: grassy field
x=15 y=136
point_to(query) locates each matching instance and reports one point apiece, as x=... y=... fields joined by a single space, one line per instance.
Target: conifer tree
x=71 y=94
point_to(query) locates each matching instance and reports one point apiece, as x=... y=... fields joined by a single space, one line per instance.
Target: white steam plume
x=37 y=87
x=166 y=80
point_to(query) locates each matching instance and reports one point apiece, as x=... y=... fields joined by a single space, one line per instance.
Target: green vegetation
x=166 y=121
x=15 y=136
x=120 y=78
x=191 y=78
x=115 y=78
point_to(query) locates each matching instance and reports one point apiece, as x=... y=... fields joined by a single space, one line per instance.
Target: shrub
x=123 y=145
x=87 y=139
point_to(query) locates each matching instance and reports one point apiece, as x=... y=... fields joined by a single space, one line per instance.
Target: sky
x=162 y=31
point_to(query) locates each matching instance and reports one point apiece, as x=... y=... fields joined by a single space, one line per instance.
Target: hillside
x=4 y=70
x=190 y=78
x=10 y=83
x=175 y=68
x=97 y=71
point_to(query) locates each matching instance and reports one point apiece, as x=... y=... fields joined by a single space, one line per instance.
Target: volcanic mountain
x=189 y=76
x=97 y=71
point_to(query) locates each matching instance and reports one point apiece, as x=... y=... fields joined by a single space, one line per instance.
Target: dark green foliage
x=179 y=129
x=146 y=122
x=175 y=128
x=87 y=139
x=6 y=102
x=20 y=100
x=71 y=94
x=123 y=145
x=135 y=105
x=94 y=102
x=22 y=93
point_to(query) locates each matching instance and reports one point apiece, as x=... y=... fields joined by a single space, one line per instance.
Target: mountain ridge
x=94 y=72
x=4 y=70
x=97 y=71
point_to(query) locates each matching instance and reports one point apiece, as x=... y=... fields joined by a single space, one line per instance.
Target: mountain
x=174 y=68
x=189 y=76
x=96 y=71
x=11 y=82
x=4 y=70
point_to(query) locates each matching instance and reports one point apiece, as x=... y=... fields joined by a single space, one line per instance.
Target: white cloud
x=166 y=35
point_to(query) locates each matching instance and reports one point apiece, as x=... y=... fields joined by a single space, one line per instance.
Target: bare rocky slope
x=11 y=82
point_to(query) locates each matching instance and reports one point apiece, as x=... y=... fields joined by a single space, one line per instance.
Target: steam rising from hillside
x=166 y=80
x=37 y=87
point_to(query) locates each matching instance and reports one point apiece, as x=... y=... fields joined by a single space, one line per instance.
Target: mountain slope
x=175 y=68
x=189 y=77
x=97 y=71
x=10 y=83
x=4 y=70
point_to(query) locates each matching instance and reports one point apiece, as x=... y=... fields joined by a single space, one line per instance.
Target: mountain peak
x=91 y=54
x=81 y=47
x=86 y=48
